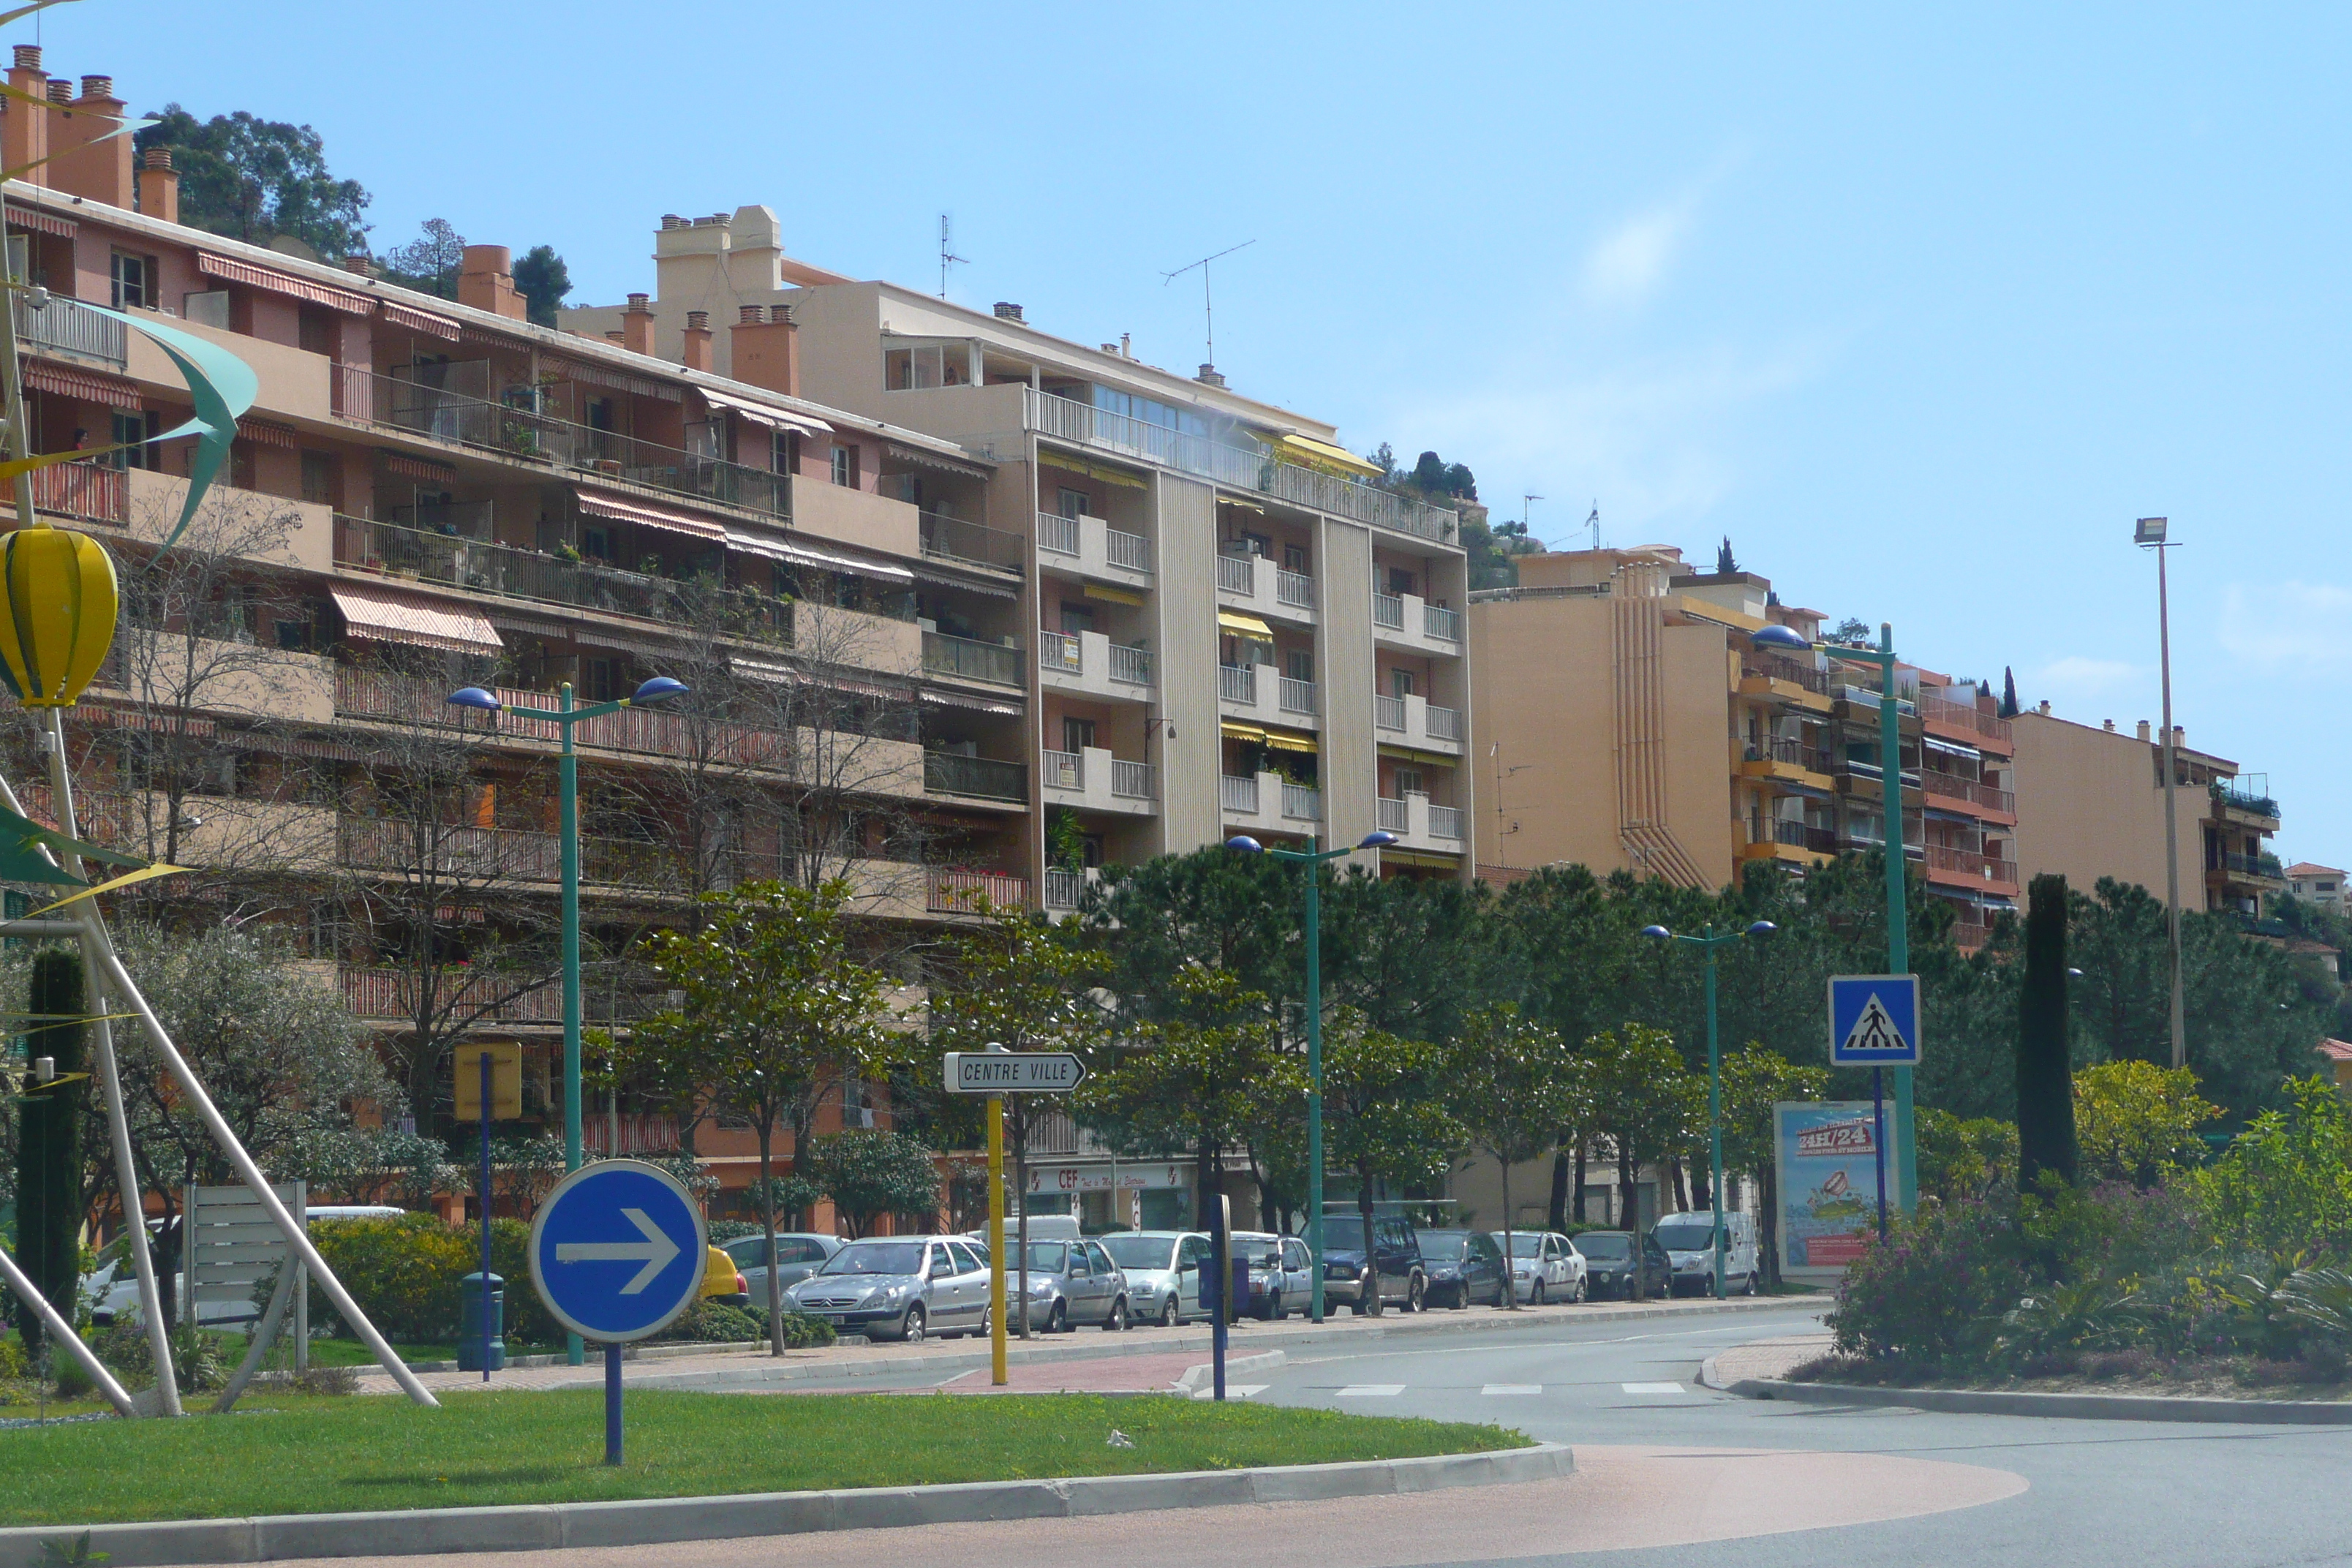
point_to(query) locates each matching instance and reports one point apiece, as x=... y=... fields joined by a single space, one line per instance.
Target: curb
x=2077 y=1406
x=628 y=1353
x=1199 y=1381
x=654 y=1521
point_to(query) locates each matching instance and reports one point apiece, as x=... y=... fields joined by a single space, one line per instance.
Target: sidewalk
x=1765 y=1360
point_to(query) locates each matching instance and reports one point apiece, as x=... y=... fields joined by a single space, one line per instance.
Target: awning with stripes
x=417 y=320
x=1244 y=626
x=921 y=458
x=1104 y=472
x=761 y=413
x=373 y=614
x=793 y=552
x=90 y=385
x=42 y=222
x=977 y=704
x=628 y=509
x=216 y=265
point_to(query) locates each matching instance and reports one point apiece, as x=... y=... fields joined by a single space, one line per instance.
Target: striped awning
x=373 y=614
x=216 y=265
x=90 y=385
x=609 y=376
x=268 y=435
x=424 y=469
x=417 y=320
x=1284 y=741
x=628 y=509
x=1244 y=626
x=40 y=221
x=920 y=458
x=1112 y=596
x=977 y=704
x=794 y=552
x=761 y=413
x=1102 y=471
x=1423 y=759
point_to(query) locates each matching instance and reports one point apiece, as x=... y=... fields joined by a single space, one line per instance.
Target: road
x=1669 y=1473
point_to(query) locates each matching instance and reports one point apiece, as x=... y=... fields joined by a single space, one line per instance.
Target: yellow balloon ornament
x=58 y=604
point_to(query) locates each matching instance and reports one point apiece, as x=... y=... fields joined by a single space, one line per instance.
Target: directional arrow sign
x=1873 y=1020
x=1013 y=1072
x=617 y=1250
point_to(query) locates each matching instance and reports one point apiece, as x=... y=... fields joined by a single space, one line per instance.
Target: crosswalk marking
x=1654 y=1388
x=1233 y=1391
x=1371 y=1391
x=1511 y=1388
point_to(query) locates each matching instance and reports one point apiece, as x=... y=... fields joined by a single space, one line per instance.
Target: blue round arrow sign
x=617 y=1250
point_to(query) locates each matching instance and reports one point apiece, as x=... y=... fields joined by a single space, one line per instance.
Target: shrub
x=2286 y=1184
x=714 y=1321
x=198 y=1362
x=403 y=1273
x=1933 y=1292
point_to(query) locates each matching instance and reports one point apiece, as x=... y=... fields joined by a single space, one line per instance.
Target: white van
x=1689 y=1241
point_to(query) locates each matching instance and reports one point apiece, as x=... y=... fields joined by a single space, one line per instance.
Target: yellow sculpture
x=57 y=602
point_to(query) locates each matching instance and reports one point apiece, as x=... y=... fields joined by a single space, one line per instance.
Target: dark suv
x=1608 y=1264
x=1404 y=1278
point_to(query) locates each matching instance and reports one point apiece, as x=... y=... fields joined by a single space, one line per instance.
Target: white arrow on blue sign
x=617 y=1250
x=1873 y=1020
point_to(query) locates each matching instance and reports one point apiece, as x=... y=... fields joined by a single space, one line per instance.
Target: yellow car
x=721 y=1282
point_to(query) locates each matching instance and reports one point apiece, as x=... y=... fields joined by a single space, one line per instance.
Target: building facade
x=2319 y=885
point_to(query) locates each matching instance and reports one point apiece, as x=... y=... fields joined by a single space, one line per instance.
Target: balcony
x=1238 y=683
x=1093 y=780
x=1232 y=466
x=1093 y=549
x=1969 y=868
x=1418 y=722
x=500 y=997
x=968 y=892
x=1089 y=664
x=2263 y=869
x=1772 y=676
x=478 y=854
x=962 y=544
x=524 y=433
x=2245 y=800
x=1236 y=574
x=1784 y=757
x=1954 y=789
x=1295 y=696
x=1064 y=889
x=1130 y=666
x=1268 y=589
x=1238 y=796
x=977 y=778
x=404 y=699
x=962 y=658
x=1301 y=803
x=1788 y=839
x=86 y=491
x=1060 y=653
x=1407 y=622
x=1962 y=719
x=1388 y=610
x=1441 y=623
x=1421 y=825
x=1396 y=816
x=1056 y=534
x=70 y=327
x=1295 y=589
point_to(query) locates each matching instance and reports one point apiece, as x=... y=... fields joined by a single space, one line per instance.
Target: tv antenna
x=1594 y=523
x=948 y=256
x=1527 y=504
x=1208 y=315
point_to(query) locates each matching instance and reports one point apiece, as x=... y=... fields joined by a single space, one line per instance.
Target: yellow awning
x=1113 y=595
x=1421 y=857
x=1240 y=625
x=1282 y=741
x=1318 y=454
x=1426 y=759
x=1106 y=474
x=1233 y=731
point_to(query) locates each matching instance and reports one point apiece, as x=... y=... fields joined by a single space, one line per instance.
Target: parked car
x=1546 y=1266
x=1403 y=1277
x=721 y=1281
x=1160 y=1289
x=900 y=1288
x=1689 y=1241
x=1281 y=1274
x=1608 y=1255
x=1464 y=1265
x=1072 y=1282
x=799 y=1254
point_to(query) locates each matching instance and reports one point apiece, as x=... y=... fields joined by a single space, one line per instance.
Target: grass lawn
x=295 y=1454
x=351 y=1352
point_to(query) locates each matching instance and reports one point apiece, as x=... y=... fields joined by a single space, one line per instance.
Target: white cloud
x=1625 y=266
x=2297 y=628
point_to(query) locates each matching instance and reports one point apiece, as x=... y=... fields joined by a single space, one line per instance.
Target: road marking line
x=1371 y=1391
x=1499 y=1389
x=1654 y=1388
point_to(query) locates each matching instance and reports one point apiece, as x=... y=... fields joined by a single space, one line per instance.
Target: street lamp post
x=1898 y=923
x=1706 y=943
x=1313 y=858
x=563 y=717
x=2149 y=534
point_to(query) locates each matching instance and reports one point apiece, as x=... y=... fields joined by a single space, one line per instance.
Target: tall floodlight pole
x=1707 y=942
x=2149 y=534
x=1311 y=919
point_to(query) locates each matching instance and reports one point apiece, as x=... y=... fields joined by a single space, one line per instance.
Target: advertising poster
x=1827 y=1157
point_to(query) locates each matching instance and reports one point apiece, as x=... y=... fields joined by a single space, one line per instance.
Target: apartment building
x=1219 y=626
x=2090 y=805
x=2315 y=884
x=431 y=493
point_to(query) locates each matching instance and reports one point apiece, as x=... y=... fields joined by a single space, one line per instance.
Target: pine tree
x=2008 y=693
x=2046 y=1081
x=1722 y=558
x=48 y=1145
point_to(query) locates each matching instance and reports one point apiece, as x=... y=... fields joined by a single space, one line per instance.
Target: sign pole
x=1878 y=1139
x=612 y=1401
x=485 y=1303
x=1221 y=1252
x=996 y=1375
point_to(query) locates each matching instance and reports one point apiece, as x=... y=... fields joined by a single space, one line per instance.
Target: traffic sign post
x=1875 y=1022
x=996 y=1074
x=617 y=1252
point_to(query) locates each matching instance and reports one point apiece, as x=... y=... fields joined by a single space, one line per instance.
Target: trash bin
x=469 y=1333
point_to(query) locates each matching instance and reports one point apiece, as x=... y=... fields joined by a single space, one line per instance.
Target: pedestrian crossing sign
x=1873 y=1020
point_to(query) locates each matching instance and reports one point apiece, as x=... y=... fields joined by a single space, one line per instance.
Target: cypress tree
x=2008 y=693
x=2046 y=1081
x=48 y=1146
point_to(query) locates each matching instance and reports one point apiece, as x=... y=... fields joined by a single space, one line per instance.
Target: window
x=1400 y=683
x=134 y=282
x=1071 y=503
x=965 y=1261
x=844 y=467
x=208 y=308
x=1408 y=781
x=1077 y=735
x=1399 y=581
x=1259 y=545
x=316 y=331
x=130 y=430
x=319 y=477
x=603 y=682
x=294 y=636
x=1293 y=558
x=1076 y=618
x=1099 y=1257
x=1301 y=663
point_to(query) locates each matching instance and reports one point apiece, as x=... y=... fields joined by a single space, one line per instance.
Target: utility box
x=483 y=1293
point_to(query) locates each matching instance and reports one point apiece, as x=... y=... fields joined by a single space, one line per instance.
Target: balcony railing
x=1130 y=551
x=1388 y=712
x=969 y=544
x=1134 y=781
x=1130 y=666
x=2265 y=867
x=1295 y=589
x=1795 y=674
x=67 y=325
x=1445 y=821
x=1436 y=621
x=372 y=992
x=1237 y=574
x=426 y=405
x=983 y=778
x=2244 y=794
x=1951 y=786
x=1787 y=749
x=1302 y=803
x=1388 y=610
x=379 y=844
x=1237 y=795
x=378 y=694
x=1063 y=770
x=1396 y=817
x=1963 y=716
x=1238 y=683
x=961 y=892
x=966 y=659
x=1234 y=467
x=84 y=489
x=1061 y=651
x=1970 y=863
x=1064 y=889
x=1294 y=695
x=1444 y=723
x=1058 y=534
x=640 y=1133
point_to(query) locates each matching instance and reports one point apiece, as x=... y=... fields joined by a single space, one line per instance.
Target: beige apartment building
x=1207 y=622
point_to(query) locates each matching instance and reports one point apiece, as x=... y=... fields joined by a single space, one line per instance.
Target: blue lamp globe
x=1376 y=840
x=1656 y=932
x=659 y=687
x=1780 y=636
x=475 y=697
x=1762 y=928
x=1241 y=843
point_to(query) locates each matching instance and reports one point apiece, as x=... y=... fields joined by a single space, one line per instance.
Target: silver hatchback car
x=900 y=1288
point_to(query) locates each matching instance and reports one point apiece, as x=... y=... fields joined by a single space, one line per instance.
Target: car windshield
x=1687 y=1235
x=1045 y=1257
x=1525 y=1246
x=876 y=1257
x=1259 y=1251
x=1140 y=1251
x=1612 y=1247
x=1444 y=1246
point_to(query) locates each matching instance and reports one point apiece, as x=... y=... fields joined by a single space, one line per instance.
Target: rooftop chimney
x=98 y=87
x=766 y=353
x=25 y=134
x=28 y=57
x=1209 y=377
x=695 y=354
x=2143 y=729
x=85 y=157
x=637 y=325
x=2044 y=708
x=60 y=90
x=1006 y=310
x=485 y=281
x=159 y=186
x=1127 y=345
x=2110 y=724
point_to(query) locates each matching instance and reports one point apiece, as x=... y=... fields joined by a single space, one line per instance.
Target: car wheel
x=1169 y=1317
x=1275 y=1310
x=910 y=1328
x=1416 y=1294
x=987 y=1323
x=1057 y=1320
x=1577 y=1292
x=1535 y=1294
x=1752 y=1286
x=1117 y=1321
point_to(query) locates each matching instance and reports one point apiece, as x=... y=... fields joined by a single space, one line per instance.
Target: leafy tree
x=1493 y=549
x=777 y=1011
x=1645 y=1102
x=1517 y=1089
x=871 y=1173
x=2045 y=1102
x=1382 y=1119
x=49 y=1144
x=544 y=280
x=1854 y=630
x=1756 y=1079
x=2135 y=1121
x=256 y=180
x=2284 y=1184
x=1965 y=1161
x=429 y=263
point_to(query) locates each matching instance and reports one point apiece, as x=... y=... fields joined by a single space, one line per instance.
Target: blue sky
x=1920 y=307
